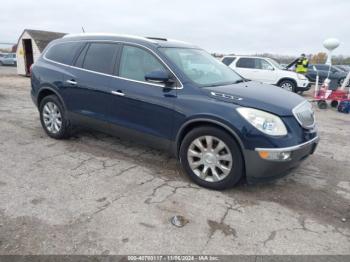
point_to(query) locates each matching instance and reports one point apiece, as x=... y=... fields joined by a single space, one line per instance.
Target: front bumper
x=304 y=88
x=259 y=169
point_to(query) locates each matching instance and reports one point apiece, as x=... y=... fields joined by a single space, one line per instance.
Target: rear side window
x=246 y=62
x=228 y=60
x=136 y=62
x=100 y=57
x=64 y=52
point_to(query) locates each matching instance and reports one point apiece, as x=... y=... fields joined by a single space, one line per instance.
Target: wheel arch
x=195 y=123
x=46 y=91
x=287 y=79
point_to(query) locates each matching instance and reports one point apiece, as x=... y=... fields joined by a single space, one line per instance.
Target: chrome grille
x=304 y=115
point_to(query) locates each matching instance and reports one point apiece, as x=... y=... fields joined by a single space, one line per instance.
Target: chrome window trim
x=295 y=116
x=114 y=76
x=291 y=148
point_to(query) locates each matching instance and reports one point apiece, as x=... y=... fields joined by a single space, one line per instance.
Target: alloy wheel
x=209 y=158
x=287 y=86
x=52 y=117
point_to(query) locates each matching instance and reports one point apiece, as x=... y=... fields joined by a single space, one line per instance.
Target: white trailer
x=30 y=45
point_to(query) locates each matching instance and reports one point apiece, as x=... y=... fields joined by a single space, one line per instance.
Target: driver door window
x=264 y=72
x=136 y=62
x=262 y=64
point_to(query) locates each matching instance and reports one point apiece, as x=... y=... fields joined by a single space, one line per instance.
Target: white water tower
x=330 y=44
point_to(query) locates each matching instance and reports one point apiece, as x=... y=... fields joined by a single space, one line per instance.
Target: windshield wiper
x=228 y=83
x=213 y=85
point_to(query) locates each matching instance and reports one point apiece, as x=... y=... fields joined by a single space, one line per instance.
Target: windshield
x=275 y=63
x=201 y=67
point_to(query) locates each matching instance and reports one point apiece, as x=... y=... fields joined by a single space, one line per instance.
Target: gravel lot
x=96 y=194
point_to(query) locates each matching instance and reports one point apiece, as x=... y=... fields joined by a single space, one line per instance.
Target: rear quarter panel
x=46 y=75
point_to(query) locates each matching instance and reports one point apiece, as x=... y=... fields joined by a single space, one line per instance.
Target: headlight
x=301 y=77
x=267 y=123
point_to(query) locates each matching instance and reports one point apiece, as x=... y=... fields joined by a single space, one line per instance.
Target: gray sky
x=224 y=26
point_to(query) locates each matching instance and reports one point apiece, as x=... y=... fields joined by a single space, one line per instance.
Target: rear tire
x=288 y=85
x=211 y=158
x=341 y=81
x=334 y=103
x=53 y=117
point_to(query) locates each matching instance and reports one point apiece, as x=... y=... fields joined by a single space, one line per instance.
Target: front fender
x=203 y=120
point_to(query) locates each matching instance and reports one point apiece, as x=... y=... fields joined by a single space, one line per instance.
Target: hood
x=253 y=94
x=341 y=74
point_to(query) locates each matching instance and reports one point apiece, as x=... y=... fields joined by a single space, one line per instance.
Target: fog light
x=275 y=155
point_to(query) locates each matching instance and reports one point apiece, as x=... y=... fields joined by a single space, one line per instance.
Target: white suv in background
x=268 y=71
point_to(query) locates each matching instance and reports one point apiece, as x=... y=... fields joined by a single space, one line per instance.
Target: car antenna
x=82 y=28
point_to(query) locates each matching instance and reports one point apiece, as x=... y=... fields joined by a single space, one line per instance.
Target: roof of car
x=153 y=41
x=249 y=56
x=43 y=38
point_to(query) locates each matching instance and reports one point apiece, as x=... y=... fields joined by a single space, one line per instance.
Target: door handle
x=118 y=93
x=72 y=82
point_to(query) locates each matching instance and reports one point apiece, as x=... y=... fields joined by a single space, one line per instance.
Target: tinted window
x=63 y=52
x=228 y=60
x=135 y=63
x=80 y=60
x=100 y=57
x=246 y=63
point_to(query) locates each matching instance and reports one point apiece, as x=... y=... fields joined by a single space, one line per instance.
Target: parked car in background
x=345 y=68
x=2 y=55
x=336 y=75
x=267 y=71
x=9 y=59
x=177 y=97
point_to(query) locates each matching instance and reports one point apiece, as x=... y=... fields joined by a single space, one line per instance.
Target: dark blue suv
x=173 y=96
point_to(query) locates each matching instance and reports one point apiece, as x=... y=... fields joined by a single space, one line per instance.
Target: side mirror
x=158 y=77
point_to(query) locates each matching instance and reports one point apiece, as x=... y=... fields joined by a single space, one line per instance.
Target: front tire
x=211 y=158
x=322 y=104
x=288 y=85
x=53 y=118
x=341 y=81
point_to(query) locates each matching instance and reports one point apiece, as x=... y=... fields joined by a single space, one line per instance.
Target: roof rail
x=108 y=34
